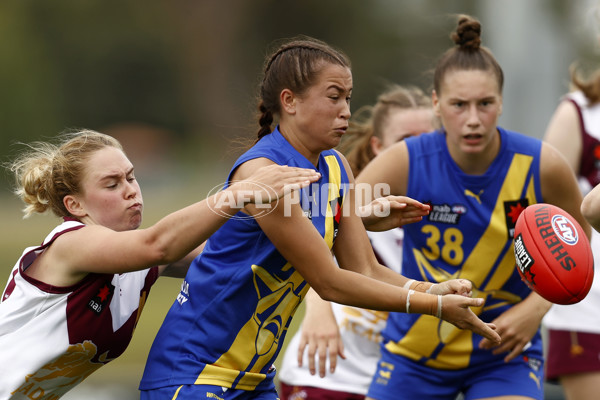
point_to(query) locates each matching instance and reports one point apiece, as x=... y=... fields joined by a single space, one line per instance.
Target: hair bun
x=468 y=33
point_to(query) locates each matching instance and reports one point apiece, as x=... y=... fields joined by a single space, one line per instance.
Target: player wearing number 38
x=476 y=177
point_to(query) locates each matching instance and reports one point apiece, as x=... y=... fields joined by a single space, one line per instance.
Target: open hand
x=390 y=212
x=272 y=182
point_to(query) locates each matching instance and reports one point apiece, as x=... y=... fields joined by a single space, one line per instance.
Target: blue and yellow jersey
x=239 y=296
x=468 y=234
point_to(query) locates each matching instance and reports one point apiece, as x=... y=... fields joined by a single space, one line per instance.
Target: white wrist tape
x=408 y=301
x=429 y=290
x=408 y=283
x=439 y=308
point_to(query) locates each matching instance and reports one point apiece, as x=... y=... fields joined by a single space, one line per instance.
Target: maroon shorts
x=287 y=392
x=571 y=353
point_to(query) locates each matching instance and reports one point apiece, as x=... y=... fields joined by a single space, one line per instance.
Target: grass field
x=119 y=379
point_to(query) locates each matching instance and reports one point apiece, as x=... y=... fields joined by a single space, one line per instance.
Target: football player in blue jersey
x=335 y=329
x=477 y=177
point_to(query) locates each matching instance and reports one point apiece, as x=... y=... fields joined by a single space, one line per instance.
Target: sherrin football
x=553 y=254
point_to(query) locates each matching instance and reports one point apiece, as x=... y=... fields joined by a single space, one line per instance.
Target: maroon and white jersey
x=585 y=315
x=589 y=120
x=52 y=338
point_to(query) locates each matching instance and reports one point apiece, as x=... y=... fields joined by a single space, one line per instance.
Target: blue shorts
x=194 y=392
x=399 y=377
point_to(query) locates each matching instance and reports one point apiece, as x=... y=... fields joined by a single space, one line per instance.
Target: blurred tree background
x=175 y=81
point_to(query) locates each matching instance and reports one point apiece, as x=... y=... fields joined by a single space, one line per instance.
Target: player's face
x=322 y=112
x=402 y=123
x=469 y=105
x=110 y=194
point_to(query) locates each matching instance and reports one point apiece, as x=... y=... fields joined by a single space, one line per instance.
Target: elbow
x=157 y=251
x=327 y=293
x=156 y=255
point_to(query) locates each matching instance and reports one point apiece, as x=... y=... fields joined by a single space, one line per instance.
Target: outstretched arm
x=377 y=289
x=175 y=235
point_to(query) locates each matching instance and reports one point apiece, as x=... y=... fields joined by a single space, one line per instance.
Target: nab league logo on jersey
x=102 y=298
x=512 y=210
x=445 y=213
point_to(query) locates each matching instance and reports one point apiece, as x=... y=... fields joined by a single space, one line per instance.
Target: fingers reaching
x=456 y=311
x=392 y=211
x=272 y=182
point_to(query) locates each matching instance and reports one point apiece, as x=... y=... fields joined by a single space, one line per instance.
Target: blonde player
x=71 y=304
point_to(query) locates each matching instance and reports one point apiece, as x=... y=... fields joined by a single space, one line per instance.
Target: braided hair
x=294 y=65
